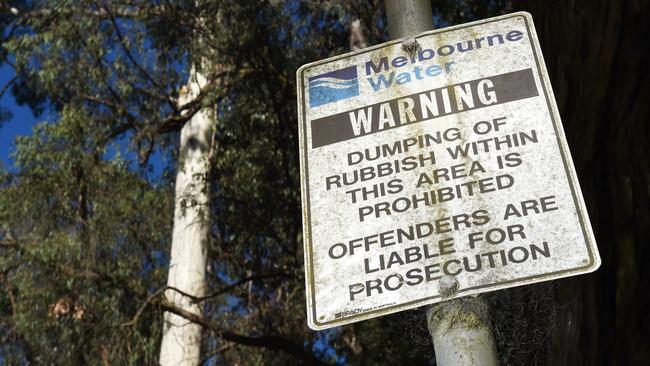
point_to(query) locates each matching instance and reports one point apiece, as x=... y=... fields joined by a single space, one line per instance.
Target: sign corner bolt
x=410 y=45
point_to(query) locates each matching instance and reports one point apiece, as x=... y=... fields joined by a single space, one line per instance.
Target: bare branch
x=221 y=349
x=126 y=49
x=150 y=300
x=7 y=85
x=271 y=342
x=153 y=298
x=239 y=283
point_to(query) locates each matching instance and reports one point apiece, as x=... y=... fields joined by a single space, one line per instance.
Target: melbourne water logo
x=333 y=86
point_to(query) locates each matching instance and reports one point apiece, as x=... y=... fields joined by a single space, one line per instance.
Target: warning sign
x=448 y=163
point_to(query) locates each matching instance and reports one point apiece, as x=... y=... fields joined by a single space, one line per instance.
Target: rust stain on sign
x=435 y=173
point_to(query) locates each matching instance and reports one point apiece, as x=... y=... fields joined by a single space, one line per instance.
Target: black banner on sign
x=420 y=107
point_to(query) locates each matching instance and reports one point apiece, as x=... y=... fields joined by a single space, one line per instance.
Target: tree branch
x=153 y=298
x=150 y=300
x=239 y=283
x=7 y=85
x=129 y=55
x=221 y=349
x=271 y=342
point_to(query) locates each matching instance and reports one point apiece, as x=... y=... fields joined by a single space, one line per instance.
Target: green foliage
x=85 y=234
x=86 y=231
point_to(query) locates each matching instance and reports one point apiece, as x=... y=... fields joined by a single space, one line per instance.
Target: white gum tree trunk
x=181 y=340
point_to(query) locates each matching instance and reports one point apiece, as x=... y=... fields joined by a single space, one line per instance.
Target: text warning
x=448 y=162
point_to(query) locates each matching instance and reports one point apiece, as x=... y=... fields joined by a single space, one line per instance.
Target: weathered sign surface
x=448 y=163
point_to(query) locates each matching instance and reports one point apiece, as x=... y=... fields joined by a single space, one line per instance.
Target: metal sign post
x=408 y=18
x=459 y=328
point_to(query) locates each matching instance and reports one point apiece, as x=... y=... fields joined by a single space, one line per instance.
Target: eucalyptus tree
x=86 y=229
x=107 y=70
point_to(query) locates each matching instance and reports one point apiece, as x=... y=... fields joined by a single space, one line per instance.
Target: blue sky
x=20 y=124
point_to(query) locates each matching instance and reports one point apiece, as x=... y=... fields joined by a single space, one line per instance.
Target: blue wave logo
x=333 y=86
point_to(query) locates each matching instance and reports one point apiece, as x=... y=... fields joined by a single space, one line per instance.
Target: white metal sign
x=447 y=163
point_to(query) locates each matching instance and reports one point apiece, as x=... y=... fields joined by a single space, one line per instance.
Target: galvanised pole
x=459 y=328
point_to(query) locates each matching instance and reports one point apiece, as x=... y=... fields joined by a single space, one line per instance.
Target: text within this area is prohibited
x=450 y=161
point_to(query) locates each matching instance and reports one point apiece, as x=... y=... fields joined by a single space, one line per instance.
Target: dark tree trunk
x=597 y=56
